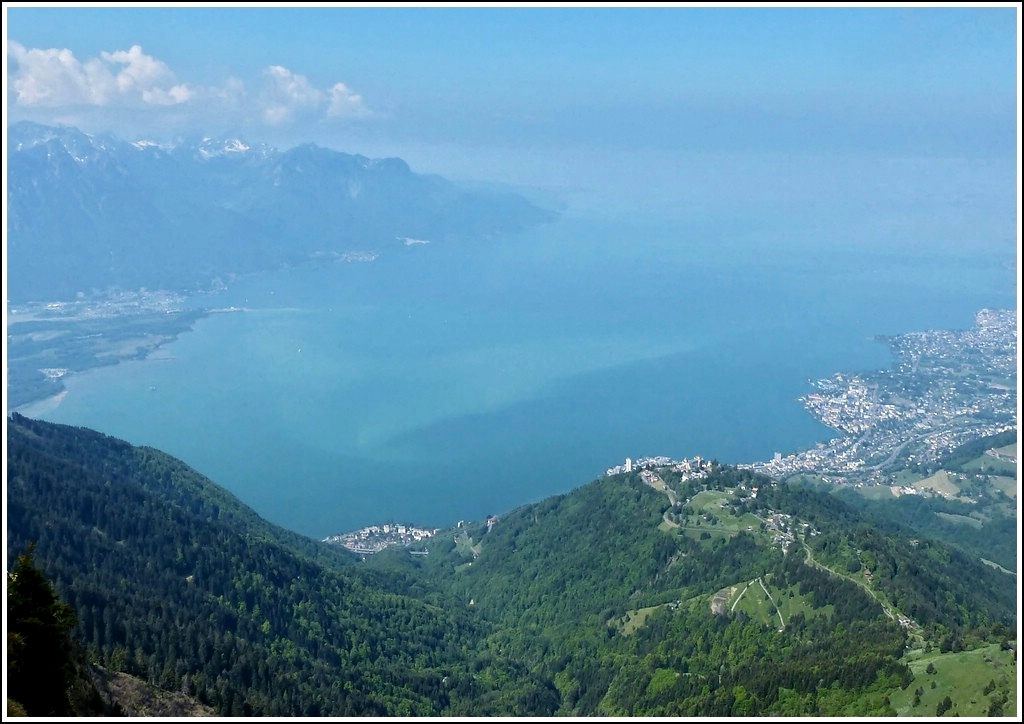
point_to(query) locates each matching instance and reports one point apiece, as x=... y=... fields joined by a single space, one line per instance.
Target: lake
x=442 y=382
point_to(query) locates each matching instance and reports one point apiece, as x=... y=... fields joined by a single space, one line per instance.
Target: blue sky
x=488 y=89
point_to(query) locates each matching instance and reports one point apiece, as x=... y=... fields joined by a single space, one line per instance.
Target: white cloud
x=55 y=78
x=139 y=71
x=53 y=81
x=287 y=95
x=345 y=103
x=170 y=97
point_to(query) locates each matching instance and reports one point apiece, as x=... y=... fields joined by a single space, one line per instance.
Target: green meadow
x=980 y=682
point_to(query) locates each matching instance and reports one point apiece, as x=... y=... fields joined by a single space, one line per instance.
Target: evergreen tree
x=39 y=662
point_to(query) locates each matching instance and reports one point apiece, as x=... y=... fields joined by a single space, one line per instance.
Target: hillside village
x=375 y=538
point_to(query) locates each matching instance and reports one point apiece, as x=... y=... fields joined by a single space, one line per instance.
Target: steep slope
x=45 y=673
x=176 y=582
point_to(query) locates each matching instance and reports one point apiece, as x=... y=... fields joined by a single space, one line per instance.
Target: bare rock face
x=125 y=695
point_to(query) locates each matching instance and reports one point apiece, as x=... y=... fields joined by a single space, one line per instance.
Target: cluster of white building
x=689 y=465
x=375 y=538
x=854 y=410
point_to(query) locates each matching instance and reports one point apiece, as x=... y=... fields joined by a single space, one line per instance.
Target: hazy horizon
x=905 y=115
x=881 y=81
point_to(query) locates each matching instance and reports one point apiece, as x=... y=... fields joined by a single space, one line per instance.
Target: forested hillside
x=635 y=605
x=176 y=582
x=658 y=592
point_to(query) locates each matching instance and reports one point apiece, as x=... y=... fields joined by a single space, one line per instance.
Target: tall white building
x=629 y=465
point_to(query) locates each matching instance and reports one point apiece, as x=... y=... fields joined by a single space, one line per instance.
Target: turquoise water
x=442 y=382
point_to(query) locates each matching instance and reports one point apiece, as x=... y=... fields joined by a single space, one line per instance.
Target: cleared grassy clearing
x=633 y=620
x=990 y=466
x=939 y=482
x=963 y=677
x=1010 y=450
x=960 y=519
x=879 y=492
x=1005 y=484
x=905 y=477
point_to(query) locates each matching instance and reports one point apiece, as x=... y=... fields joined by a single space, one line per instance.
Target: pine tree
x=39 y=661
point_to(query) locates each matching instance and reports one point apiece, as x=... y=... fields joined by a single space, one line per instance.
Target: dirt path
x=739 y=596
x=658 y=484
x=781 y=620
x=890 y=611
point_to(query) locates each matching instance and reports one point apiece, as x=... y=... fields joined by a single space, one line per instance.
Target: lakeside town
x=375 y=538
x=111 y=304
x=945 y=388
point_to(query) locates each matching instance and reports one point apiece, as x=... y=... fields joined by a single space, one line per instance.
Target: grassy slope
x=963 y=677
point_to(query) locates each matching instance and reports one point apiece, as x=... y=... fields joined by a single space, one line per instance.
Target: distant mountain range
x=91 y=212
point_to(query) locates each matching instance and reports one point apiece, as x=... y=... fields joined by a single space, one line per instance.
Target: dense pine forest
x=654 y=593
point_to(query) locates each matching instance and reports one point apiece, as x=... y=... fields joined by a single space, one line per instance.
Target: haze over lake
x=437 y=383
